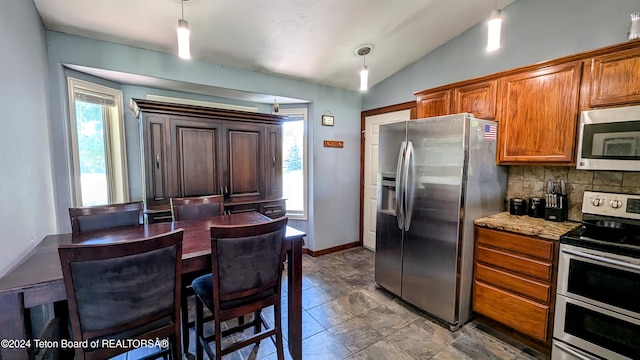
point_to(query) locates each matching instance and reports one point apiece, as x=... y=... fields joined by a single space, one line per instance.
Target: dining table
x=37 y=279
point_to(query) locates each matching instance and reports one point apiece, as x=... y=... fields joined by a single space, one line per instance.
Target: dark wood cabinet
x=193 y=151
x=539 y=115
x=196 y=156
x=243 y=164
x=155 y=149
x=274 y=162
x=514 y=282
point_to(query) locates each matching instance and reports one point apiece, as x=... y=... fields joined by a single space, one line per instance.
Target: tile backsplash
x=530 y=181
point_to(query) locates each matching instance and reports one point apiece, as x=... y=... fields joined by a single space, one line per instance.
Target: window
x=98 y=145
x=294 y=164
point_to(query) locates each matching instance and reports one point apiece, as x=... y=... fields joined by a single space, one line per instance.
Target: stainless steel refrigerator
x=435 y=176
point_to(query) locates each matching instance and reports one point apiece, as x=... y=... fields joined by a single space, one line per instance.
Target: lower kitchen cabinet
x=514 y=282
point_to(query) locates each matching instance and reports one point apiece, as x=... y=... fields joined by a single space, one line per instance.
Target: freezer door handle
x=409 y=185
x=399 y=186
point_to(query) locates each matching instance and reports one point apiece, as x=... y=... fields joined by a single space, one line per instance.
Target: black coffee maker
x=517 y=206
x=536 y=207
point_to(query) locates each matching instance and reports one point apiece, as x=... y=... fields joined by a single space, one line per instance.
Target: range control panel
x=611 y=204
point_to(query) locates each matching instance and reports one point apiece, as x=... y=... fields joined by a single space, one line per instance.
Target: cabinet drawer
x=527 y=245
x=157 y=217
x=513 y=262
x=273 y=209
x=512 y=282
x=523 y=315
x=241 y=208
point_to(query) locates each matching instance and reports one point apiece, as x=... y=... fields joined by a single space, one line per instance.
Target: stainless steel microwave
x=609 y=139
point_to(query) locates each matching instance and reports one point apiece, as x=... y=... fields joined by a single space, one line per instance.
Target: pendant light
x=183 y=35
x=363 y=51
x=495 y=23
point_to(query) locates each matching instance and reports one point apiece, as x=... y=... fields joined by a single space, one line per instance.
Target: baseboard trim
x=330 y=250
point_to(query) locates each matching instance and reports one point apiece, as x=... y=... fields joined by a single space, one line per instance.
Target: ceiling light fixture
x=183 y=35
x=495 y=23
x=363 y=51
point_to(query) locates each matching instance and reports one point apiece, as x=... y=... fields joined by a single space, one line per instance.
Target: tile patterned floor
x=346 y=317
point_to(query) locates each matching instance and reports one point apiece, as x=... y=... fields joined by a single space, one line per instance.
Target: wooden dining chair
x=93 y=218
x=247 y=265
x=122 y=291
x=189 y=208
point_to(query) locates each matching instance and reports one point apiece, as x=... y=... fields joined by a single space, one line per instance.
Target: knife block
x=557 y=213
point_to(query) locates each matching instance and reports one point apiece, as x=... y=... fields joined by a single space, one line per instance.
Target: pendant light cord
x=182 y=3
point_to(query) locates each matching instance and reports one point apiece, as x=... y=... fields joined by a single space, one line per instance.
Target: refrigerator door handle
x=399 y=186
x=409 y=185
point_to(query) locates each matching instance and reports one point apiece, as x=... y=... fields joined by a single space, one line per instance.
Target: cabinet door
x=155 y=157
x=273 y=163
x=244 y=161
x=539 y=115
x=477 y=99
x=614 y=79
x=196 y=157
x=434 y=104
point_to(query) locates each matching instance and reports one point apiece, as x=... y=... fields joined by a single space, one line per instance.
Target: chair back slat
x=124 y=289
x=199 y=207
x=248 y=259
x=130 y=287
x=106 y=216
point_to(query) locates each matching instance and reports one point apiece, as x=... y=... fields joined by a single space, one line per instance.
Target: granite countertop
x=526 y=225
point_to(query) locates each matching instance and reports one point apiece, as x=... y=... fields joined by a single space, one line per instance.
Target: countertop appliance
x=536 y=207
x=517 y=206
x=597 y=312
x=435 y=176
x=609 y=139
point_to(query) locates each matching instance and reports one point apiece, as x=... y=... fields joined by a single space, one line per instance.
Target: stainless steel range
x=597 y=312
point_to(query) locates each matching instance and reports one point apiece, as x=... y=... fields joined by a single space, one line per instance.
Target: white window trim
x=305 y=161
x=76 y=191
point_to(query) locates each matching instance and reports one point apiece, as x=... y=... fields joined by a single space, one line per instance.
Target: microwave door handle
x=399 y=186
x=602 y=259
x=570 y=351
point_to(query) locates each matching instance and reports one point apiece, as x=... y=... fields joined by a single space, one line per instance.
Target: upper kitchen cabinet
x=539 y=113
x=612 y=79
x=479 y=99
x=433 y=103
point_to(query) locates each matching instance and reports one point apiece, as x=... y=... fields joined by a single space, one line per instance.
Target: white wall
x=334 y=173
x=27 y=212
x=532 y=31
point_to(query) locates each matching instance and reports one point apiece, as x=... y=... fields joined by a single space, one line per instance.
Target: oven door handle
x=570 y=351
x=602 y=259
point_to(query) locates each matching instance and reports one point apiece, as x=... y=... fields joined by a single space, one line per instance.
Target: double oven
x=597 y=312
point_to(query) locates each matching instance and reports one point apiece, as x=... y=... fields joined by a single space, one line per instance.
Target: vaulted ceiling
x=311 y=40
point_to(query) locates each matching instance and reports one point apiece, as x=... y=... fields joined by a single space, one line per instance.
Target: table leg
x=12 y=325
x=294 y=276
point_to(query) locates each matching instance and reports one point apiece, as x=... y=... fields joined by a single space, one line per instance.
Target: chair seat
x=203 y=287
